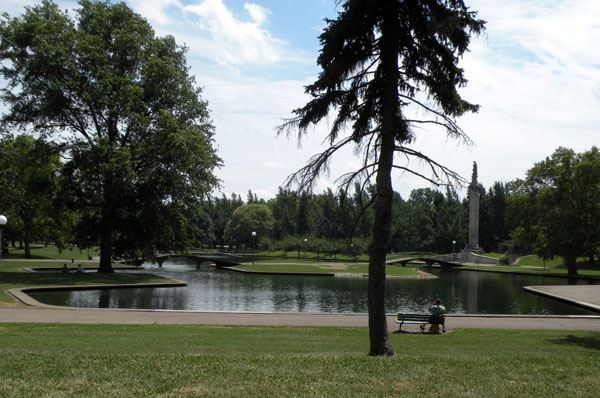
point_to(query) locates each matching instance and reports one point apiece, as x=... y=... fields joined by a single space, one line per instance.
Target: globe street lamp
x=3 y=221
x=253 y=244
x=305 y=241
x=454 y=249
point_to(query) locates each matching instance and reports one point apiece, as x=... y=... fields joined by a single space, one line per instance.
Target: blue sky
x=535 y=73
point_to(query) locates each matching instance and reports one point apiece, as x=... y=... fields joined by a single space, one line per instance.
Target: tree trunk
x=571 y=263
x=106 y=229
x=378 y=330
x=27 y=246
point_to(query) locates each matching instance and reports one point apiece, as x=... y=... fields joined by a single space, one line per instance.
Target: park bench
x=422 y=319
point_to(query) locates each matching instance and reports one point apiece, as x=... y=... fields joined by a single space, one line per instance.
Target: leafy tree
x=247 y=219
x=29 y=186
x=204 y=229
x=492 y=211
x=364 y=210
x=284 y=210
x=220 y=211
x=138 y=135
x=556 y=206
x=379 y=59
x=303 y=226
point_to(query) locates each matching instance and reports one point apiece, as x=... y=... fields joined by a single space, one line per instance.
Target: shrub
x=504 y=260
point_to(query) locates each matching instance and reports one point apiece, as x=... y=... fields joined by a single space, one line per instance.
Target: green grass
x=192 y=361
x=494 y=255
x=312 y=255
x=535 y=264
x=322 y=268
x=51 y=252
x=535 y=261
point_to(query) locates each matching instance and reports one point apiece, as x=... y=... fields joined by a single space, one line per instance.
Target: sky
x=535 y=72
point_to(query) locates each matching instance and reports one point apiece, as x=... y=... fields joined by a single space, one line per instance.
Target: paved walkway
x=587 y=296
x=121 y=316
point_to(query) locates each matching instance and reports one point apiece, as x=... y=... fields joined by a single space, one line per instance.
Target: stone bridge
x=447 y=260
x=219 y=259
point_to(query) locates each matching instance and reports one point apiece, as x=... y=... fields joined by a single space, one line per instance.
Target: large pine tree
x=379 y=58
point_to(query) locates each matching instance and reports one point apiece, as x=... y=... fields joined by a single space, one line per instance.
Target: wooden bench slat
x=422 y=319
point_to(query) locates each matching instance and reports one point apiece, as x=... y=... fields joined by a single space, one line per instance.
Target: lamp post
x=253 y=245
x=454 y=249
x=88 y=245
x=3 y=221
x=305 y=244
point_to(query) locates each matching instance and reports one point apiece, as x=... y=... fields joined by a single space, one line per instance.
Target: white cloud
x=273 y=165
x=536 y=76
x=257 y=13
x=230 y=40
x=156 y=11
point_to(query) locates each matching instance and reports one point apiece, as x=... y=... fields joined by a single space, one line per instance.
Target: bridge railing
x=466 y=258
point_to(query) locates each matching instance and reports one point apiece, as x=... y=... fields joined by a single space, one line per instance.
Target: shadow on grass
x=58 y=278
x=582 y=265
x=21 y=256
x=590 y=342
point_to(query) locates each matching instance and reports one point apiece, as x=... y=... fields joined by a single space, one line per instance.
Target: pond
x=210 y=289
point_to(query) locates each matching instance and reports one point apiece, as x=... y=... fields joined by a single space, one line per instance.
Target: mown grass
x=309 y=255
x=535 y=264
x=195 y=361
x=536 y=261
x=322 y=268
x=51 y=252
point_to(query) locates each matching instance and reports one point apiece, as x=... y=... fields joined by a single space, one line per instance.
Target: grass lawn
x=322 y=268
x=39 y=360
x=308 y=255
x=535 y=264
x=51 y=252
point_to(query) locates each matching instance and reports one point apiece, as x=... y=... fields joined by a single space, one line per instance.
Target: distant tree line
x=554 y=209
x=428 y=220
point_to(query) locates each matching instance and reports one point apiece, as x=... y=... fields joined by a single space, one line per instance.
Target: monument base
x=473 y=249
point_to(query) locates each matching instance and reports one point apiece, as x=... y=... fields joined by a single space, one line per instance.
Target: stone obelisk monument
x=473 y=245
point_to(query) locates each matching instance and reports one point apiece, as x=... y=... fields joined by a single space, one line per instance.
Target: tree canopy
x=247 y=219
x=379 y=59
x=138 y=137
x=29 y=188
x=557 y=205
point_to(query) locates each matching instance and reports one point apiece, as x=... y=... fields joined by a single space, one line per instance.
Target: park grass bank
x=192 y=361
x=358 y=269
x=12 y=276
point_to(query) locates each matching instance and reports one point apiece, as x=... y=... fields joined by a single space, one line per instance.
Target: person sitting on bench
x=436 y=309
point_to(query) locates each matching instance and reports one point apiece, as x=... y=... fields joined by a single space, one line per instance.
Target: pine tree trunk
x=378 y=330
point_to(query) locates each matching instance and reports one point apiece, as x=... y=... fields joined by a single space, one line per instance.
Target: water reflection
x=212 y=289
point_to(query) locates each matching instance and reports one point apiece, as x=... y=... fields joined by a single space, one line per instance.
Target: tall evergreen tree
x=378 y=58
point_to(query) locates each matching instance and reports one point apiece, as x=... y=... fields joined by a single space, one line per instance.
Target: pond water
x=210 y=289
